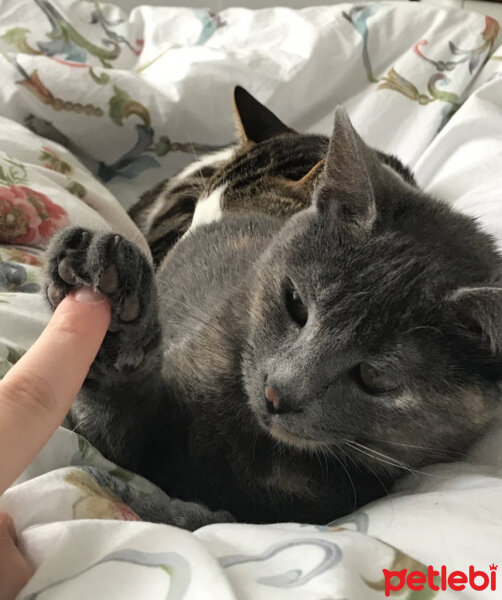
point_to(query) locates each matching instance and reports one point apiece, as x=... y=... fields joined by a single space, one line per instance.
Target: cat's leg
x=159 y=508
x=123 y=407
x=120 y=398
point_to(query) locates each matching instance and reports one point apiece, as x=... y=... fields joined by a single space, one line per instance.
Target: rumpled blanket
x=120 y=102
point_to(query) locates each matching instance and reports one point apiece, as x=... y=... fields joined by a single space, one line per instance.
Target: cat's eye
x=296 y=307
x=373 y=381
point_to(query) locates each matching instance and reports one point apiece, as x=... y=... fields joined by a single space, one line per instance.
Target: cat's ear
x=346 y=187
x=482 y=307
x=309 y=181
x=255 y=122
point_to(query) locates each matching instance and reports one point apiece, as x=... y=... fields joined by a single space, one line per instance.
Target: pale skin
x=35 y=396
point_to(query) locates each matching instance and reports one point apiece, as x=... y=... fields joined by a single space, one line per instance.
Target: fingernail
x=89 y=296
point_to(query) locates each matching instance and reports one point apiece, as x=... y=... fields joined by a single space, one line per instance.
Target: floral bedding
x=97 y=106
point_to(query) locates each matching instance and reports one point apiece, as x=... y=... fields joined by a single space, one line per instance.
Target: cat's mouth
x=276 y=425
x=279 y=432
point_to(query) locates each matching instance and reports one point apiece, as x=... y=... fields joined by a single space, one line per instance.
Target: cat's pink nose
x=278 y=404
x=273 y=400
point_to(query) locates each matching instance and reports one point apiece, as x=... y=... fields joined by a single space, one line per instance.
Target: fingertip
x=7 y=525
x=39 y=389
x=88 y=295
x=87 y=307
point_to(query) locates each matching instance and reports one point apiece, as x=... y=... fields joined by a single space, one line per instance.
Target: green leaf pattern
x=359 y=16
x=9 y=355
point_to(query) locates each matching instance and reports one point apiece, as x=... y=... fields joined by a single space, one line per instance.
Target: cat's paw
x=109 y=263
x=180 y=513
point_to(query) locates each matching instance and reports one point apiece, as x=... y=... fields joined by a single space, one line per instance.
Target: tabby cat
x=266 y=172
x=293 y=365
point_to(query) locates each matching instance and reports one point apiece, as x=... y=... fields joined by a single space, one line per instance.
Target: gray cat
x=292 y=368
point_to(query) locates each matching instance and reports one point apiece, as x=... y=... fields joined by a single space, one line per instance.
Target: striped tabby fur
x=272 y=169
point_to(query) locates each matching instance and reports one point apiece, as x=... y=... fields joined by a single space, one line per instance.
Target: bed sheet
x=125 y=100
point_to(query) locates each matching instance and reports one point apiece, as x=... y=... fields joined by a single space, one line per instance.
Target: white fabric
x=179 y=82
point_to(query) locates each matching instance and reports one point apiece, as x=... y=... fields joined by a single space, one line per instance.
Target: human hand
x=35 y=396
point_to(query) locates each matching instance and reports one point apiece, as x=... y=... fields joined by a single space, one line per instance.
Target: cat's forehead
x=384 y=277
x=322 y=250
x=289 y=156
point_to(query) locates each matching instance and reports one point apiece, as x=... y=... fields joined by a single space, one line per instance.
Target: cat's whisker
x=383 y=455
x=320 y=453
x=369 y=467
x=378 y=456
x=371 y=455
x=440 y=453
x=191 y=145
x=444 y=454
x=204 y=186
x=351 y=481
x=370 y=452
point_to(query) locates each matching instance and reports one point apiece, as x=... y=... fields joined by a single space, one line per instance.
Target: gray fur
x=178 y=393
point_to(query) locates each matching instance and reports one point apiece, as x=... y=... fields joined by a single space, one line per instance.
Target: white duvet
x=134 y=98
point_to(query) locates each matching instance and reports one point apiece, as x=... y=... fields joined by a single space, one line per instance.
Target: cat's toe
x=66 y=272
x=105 y=261
x=54 y=294
x=121 y=272
x=130 y=309
x=109 y=280
x=64 y=264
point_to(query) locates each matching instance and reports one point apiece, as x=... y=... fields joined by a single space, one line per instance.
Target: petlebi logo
x=441 y=579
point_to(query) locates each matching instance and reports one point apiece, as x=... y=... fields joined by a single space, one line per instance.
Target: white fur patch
x=159 y=206
x=208 y=208
x=206 y=161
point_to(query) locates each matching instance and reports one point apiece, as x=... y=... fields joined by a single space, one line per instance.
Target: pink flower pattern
x=28 y=216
